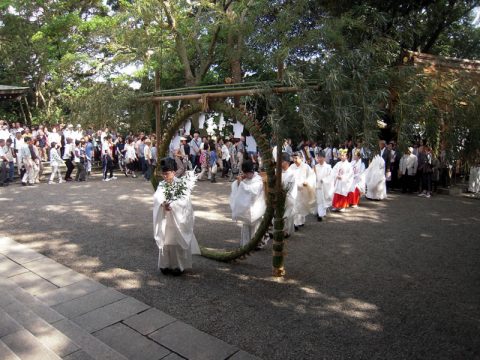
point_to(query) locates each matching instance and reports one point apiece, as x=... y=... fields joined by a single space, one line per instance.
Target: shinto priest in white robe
x=305 y=201
x=324 y=187
x=173 y=230
x=247 y=201
x=375 y=179
x=289 y=185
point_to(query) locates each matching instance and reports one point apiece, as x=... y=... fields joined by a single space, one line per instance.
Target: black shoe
x=177 y=272
x=296 y=227
x=302 y=225
x=165 y=271
x=319 y=218
x=24 y=183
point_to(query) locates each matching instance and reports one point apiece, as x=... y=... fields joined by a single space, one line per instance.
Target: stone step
x=27 y=347
x=6 y=353
x=57 y=313
x=62 y=337
x=24 y=319
x=48 y=335
x=18 y=342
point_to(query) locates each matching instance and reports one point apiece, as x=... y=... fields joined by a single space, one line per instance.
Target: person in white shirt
x=28 y=159
x=130 y=157
x=305 y=182
x=247 y=201
x=324 y=185
x=107 y=159
x=4 y=133
x=9 y=154
x=225 y=157
x=68 y=157
x=408 y=170
x=328 y=154
x=67 y=134
x=195 y=146
x=147 y=153
x=18 y=144
x=54 y=136
x=55 y=163
x=78 y=134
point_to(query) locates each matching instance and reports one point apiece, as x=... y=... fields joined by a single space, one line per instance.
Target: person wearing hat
x=358 y=184
x=408 y=170
x=173 y=222
x=290 y=187
x=247 y=201
x=305 y=181
x=343 y=179
x=323 y=186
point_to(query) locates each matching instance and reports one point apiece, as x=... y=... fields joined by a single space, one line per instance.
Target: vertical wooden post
x=278 y=259
x=158 y=110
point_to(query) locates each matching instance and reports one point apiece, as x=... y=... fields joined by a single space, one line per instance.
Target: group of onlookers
x=416 y=169
x=26 y=151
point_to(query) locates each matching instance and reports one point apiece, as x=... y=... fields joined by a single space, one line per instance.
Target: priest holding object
x=173 y=221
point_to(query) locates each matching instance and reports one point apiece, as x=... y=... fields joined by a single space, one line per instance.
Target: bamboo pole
x=158 y=110
x=222 y=94
x=278 y=259
x=206 y=88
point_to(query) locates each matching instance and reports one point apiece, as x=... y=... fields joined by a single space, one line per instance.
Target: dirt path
x=395 y=279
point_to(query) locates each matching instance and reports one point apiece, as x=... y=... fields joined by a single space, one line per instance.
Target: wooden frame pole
x=223 y=94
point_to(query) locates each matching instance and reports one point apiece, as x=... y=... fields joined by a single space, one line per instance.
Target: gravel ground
x=398 y=279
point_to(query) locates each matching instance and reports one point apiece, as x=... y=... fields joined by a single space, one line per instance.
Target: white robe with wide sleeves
x=375 y=179
x=358 y=168
x=324 y=188
x=247 y=201
x=305 y=201
x=289 y=185
x=345 y=171
x=173 y=231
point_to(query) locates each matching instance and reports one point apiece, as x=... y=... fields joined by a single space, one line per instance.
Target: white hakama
x=324 y=188
x=173 y=232
x=247 y=201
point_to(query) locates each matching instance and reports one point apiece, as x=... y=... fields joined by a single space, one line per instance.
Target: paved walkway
x=48 y=311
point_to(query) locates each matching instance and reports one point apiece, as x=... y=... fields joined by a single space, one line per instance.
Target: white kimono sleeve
x=177 y=223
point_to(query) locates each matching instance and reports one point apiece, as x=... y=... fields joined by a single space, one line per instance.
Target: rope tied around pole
x=204 y=101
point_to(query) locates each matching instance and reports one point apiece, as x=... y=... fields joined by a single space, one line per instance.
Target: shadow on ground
x=395 y=279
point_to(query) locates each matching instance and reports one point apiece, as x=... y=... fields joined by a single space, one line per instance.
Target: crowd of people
x=25 y=151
